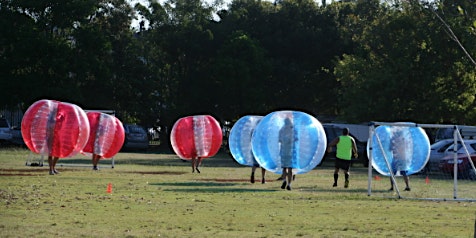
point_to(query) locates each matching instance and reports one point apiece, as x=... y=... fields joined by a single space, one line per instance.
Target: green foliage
x=399 y=72
x=356 y=60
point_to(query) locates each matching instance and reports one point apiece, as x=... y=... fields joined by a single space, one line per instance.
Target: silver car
x=444 y=148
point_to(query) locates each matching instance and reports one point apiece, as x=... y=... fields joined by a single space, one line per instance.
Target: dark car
x=333 y=132
x=136 y=138
x=10 y=135
x=6 y=134
x=465 y=170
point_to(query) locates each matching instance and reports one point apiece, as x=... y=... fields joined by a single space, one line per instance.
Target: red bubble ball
x=106 y=135
x=196 y=136
x=54 y=128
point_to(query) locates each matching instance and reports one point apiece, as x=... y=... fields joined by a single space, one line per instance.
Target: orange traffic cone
x=427 y=180
x=109 y=188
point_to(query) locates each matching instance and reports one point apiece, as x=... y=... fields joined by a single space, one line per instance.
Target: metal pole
x=369 y=187
x=392 y=176
x=455 y=163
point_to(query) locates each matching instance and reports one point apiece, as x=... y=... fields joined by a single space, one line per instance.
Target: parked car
x=6 y=134
x=136 y=138
x=334 y=131
x=438 y=150
x=465 y=170
x=445 y=148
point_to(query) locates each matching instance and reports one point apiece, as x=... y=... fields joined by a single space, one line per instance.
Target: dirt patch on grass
x=156 y=172
x=20 y=172
x=225 y=180
x=25 y=172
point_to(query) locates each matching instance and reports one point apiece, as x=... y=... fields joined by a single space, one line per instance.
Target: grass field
x=156 y=195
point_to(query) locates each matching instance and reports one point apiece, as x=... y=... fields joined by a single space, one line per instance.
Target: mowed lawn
x=155 y=194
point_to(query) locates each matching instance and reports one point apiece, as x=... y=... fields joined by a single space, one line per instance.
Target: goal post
x=444 y=185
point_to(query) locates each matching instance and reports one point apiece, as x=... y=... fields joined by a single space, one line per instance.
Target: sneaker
x=334 y=185
x=55 y=171
x=346 y=184
x=407 y=189
x=288 y=187
x=52 y=172
x=95 y=168
x=391 y=189
x=283 y=186
x=263 y=181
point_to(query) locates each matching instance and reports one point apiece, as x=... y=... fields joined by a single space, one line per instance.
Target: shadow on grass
x=219 y=190
x=152 y=172
x=330 y=190
x=195 y=184
x=210 y=187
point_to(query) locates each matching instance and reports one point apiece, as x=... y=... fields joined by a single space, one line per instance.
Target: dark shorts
x=342 y=164
x=402 y=172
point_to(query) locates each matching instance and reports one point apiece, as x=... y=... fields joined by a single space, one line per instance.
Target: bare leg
x=198 y=163
x=55 y=160
x=407 y=183
x=283 y=186
x=95 y=161
x=252 y=178
x=289 y=175
x=193 y=164
x=263 y=174
x=50 y=163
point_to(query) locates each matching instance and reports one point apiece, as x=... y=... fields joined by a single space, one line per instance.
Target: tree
x=37 y=49
x=240 y=75
x=400 y=72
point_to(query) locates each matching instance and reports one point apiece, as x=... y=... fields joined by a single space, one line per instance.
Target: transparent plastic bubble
x=106 y=135
x=289 y=139
x=54 y=128
x=406 y=149
x=239 y=140
x=196 y=136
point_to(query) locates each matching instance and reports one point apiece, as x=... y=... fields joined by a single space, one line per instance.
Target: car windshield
x=460 y=148
x=440 y=144
x=135 y=129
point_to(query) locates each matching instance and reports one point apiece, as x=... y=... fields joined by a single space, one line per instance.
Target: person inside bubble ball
x=52 y=120
x=399 y=149
x=196 y=162
x=286 y=142
x=345 y=147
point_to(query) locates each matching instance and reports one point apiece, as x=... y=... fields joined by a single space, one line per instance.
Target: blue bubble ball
x=289 y=139
x=239 y=140
x=405 y=148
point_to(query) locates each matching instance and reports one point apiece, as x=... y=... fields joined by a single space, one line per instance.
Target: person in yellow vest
x=345 y=148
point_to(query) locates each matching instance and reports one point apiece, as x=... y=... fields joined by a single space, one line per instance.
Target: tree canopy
x=353 y=60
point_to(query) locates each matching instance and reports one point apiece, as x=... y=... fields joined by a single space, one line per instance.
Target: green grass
x=156 y=195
